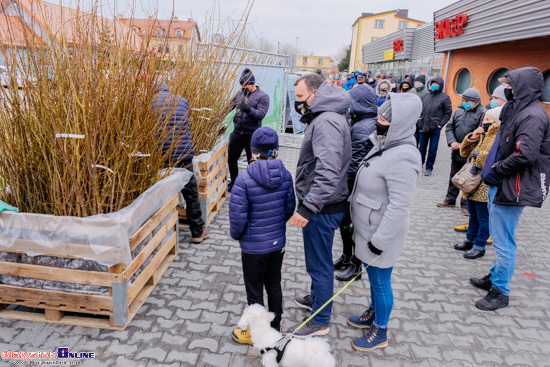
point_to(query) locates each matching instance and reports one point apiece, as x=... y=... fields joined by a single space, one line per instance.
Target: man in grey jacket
x=321 y=188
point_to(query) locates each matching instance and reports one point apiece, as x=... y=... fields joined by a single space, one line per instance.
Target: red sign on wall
x=398 y=45
x=450 y=27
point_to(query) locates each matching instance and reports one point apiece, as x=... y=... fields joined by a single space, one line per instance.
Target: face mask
x=418 y=85
x=467 y=105
x=337 y=78
x=493 y=104
x=360 y=82
x=246 y=92
x=371 y=81
x=434 y=87
x=405 y=90
x=393 y=85
x=301 y=106
x=486 y=126
x=381 y=129
x=383 y=92
x=509 y=94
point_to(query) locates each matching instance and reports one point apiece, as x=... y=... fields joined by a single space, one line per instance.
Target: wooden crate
x=113 y=311
x=213 y=181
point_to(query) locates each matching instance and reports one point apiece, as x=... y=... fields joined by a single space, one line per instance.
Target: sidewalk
x=188 y=319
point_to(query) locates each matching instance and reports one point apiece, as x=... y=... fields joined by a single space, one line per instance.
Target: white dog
x=311 y=352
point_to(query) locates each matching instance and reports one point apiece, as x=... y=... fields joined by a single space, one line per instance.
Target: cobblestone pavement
x=188 y=319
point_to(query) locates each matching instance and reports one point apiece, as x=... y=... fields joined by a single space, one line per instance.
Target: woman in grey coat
x=380 y=209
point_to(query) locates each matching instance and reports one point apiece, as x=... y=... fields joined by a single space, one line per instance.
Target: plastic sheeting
x=102 y=238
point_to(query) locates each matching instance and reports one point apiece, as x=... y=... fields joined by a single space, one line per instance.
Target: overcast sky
x=322 y=26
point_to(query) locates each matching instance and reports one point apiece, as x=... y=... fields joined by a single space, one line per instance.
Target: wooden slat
x=150 y=247
x=53 y=315
x=65 y=320
x=209 y=163
x=66 y=250
x=219 y=200
x=203 y=182
x=215 y=185
x=59 y=274
x=152 y=223
x=56 y=297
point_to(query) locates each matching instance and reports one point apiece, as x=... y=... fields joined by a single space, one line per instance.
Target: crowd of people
x=367 y=142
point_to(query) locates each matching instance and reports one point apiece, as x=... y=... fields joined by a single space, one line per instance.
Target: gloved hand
x=243 y=106
x=374 y=250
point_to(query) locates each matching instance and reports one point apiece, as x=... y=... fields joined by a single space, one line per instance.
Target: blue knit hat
x=264 y=140
x=247 y=78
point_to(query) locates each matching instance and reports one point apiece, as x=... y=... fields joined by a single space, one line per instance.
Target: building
x=168 y=38
x=405 y=51
x=370 y=27
x=311 y=63
x=483 y=39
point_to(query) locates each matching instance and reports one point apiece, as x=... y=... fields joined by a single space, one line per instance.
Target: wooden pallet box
x=115 y=292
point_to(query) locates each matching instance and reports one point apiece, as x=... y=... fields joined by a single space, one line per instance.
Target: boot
x=341 y=263
x=494 y=300
x=464 y=245
x=351 y=271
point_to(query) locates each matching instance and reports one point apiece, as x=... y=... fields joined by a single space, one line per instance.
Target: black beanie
x=247 y=78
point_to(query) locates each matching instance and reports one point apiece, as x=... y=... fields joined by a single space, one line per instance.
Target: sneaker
x=482 y=283
x=428 y=172
x=375 y=338
x=304 y=302
x=309 y=329
x=364 y=321
x=462 y=227
x=242 y=336
x=490 y=240
x=201 y=238
x=494 y=300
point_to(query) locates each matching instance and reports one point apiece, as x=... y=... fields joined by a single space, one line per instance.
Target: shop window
x=463 y=81
x=546 y=89
x=493 y=81
x=378 y=23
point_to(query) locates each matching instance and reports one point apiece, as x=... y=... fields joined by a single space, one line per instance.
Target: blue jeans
x=318 y=236
x=381 y=294
x=433 y=139
x=503 y=221
x=478 y=227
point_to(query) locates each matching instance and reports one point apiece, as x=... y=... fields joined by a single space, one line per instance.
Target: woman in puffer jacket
x=382 y=90
x=475 y=147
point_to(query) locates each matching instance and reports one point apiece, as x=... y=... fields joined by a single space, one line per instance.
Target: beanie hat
x=499 y=92
x=263 y=141
x=385 y=110
x=420 y=78
x=471 y=94
x=494 y=113
x=247 y=78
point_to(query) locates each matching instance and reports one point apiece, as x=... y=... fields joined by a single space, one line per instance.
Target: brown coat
x=482 y=145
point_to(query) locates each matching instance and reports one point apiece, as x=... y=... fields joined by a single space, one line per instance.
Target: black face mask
x=246 y=91
x=509 y=94
x=381 y=129
x=361 y=82
x=486 y=126
x=405 y=90
x=302 y=107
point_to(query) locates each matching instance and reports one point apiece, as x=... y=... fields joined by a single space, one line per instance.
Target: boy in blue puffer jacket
x=262 y=200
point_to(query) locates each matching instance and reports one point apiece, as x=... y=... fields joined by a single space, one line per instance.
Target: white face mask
x=418 y=85
x=393 y=85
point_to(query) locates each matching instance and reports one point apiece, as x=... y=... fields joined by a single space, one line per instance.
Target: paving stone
x=205 y=343
x=154 y=353
x=186 y=358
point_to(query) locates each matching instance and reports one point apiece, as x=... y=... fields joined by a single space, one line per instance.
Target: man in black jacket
x=252 y=105
x=517 y=170
x=467 y=118
x=436 y=111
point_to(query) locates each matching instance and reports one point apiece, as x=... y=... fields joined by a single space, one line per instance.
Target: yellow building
x=311 y=63
x=370 y=27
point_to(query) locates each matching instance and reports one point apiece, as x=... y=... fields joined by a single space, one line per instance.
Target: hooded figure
x=419 y=84
x=382 y=90
x=406 y=86
x=394 y=84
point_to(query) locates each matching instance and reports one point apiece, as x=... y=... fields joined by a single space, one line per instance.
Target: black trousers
x=192 y=205
x=237 y=142
x=453 y=192
x=347 y=238
x=260 y=271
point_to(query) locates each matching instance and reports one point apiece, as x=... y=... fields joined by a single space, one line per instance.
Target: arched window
x=463 y=81
x=546 y=89
x=493 y=81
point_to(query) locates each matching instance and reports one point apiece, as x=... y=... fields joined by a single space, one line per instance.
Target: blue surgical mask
x=493 y=104
x=434 y=87
x=467 y=105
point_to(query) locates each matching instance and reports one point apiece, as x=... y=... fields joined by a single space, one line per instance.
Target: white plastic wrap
x=102 y=238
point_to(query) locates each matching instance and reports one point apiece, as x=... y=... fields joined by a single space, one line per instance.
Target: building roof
x=151 y=26
x=399 y=13
x=13 y=31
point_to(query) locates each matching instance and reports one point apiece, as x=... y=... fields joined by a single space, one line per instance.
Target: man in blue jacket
x=176 y=108
x=251 y=106
x=517 y=170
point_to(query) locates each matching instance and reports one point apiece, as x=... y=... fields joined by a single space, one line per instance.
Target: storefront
x=484 y=39
x=406 y=51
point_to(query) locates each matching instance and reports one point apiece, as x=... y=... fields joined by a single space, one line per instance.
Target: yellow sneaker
x=490 y=240
x=462 y=227
x=242 y=336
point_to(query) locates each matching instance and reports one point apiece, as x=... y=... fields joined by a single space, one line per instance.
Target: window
x=144 y=32
x=546 y=89
x=160 y=47
x=372 y=39
x=179 y=33
x=304 y=60
x=167 y=50
x=463 y=81
x=493 y=81
x=378 y=23
x=320 y=61
x=159 y=32
x=403 y=24
x=136 y=29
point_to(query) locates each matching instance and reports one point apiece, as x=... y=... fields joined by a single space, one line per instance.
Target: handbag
x=468 y=178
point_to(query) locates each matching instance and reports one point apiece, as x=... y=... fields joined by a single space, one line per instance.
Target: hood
x=408 y=82
x=527 y=84
x=405 y=109
x=439 y=81
x=269 y=173
x=330 y=98
x=161 y=87
x=382 y=81
x=363 y=101
x=421 y=78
